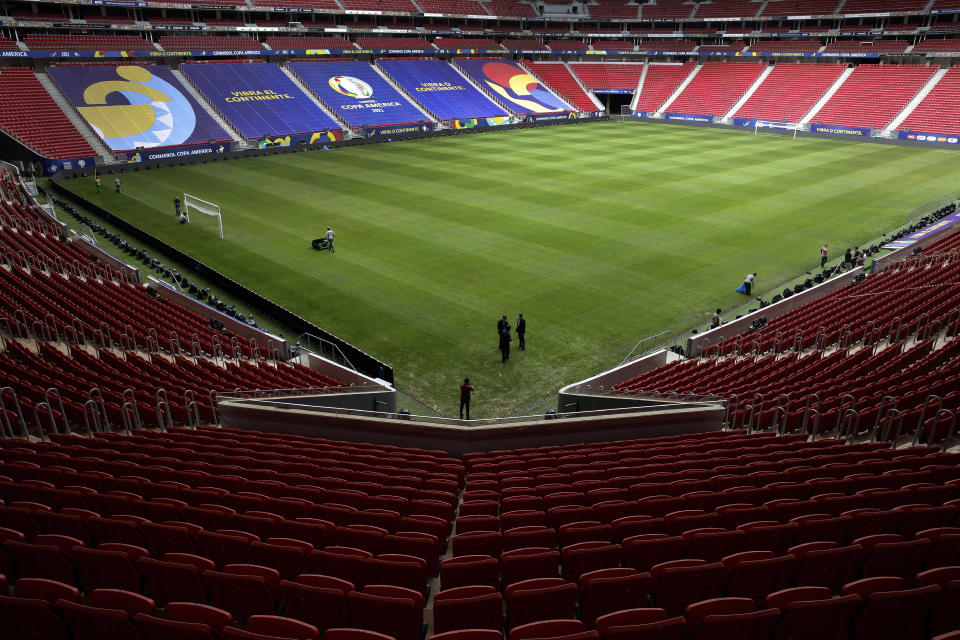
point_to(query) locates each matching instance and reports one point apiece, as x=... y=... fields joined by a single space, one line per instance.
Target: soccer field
x=600 y=234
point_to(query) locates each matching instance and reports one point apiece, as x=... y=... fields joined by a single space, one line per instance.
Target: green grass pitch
x=600 y=234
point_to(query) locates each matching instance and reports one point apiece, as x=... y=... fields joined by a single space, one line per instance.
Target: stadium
x=251 y=256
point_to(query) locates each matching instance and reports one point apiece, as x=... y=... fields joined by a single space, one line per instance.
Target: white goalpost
x=202 y=206
x=768 y=124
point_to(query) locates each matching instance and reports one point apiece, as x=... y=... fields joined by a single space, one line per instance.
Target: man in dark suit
x=521 y=330
x=501 y=324
x=505 y=343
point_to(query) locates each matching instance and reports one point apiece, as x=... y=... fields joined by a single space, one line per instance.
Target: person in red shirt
x=465 y=390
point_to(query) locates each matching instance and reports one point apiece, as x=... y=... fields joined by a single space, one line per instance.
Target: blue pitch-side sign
x=929 y=137
x=177 y=153
x=839 y=130
x=640 y=114
x=398 y=130
x=688 y=117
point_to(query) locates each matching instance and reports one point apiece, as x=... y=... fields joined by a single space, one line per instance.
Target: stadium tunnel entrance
x=613 y=101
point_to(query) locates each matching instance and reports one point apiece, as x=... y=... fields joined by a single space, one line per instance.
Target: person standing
x=715 y=322
x=521 y=331
x=823 y=255
x=330 y=235
x=176 y=206
x=465 y=390
x=748 y=283
x=848 y=259
x=116 y=181
x=98 y=183
x=505 y=344
x=501 y=325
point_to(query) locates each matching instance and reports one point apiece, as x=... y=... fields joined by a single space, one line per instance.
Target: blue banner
x=177 y=153
x=640 y=114
x=398 y=130
x=619 y=91
x=50 y=167
x=258 y=99
x=539 y=117
x=357 y=93
x=294 y=139
x=839 y=130
x=441 y=89
x=514 y=86
x=687 y=117
x=136 y=106
x=479 y=123
x=744 y=122
x=928 y=137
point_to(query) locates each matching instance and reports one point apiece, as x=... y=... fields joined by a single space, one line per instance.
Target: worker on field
x=98 y=183
x=330 y=235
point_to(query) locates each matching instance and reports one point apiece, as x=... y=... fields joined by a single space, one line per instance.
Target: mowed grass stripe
x=601 y=234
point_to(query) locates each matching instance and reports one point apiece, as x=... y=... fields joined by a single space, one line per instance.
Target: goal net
x=784 y=126
x=193 y=202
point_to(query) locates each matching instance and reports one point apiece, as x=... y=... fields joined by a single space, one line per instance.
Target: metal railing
x=323 y=348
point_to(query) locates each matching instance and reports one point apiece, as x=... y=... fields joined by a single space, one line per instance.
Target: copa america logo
x=350 y=86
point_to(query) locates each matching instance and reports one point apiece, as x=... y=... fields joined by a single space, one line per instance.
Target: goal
x=769 y=124
x=193 y=202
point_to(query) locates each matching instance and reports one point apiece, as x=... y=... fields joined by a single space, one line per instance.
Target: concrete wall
x=697 y=342
x=334 y=370
x=622 y=372
x=379 y=400
x=457 y=440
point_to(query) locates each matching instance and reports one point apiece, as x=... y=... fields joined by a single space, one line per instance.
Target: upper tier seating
x=873 y=95
x=732 y=47
x=800 y=8
x=871 y=6
x=729 y=8
x=939 y=111
x=558 y=78
x=298 y=4
x=454 y=7
x=618 y=9
x=667 y=45
x=380 y=5
x=609 y=75
x=885 y=46
x=510 y=8
x=394 y=43
x=466 y=43
x=660 y=83
x=786 y=45
x=716 y=88
x=613 y=45
x=524 y=45
x=174 y=43
x=6 y=44
x=308 y=42
x=38 y=42
x=679 y=9
x=29 y=114
x=790 y=91
x=944 y=44
x=568 y=45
